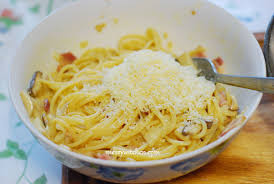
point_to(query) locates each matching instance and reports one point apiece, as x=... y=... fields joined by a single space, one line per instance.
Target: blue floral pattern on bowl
x=118 y=174
x=191 y=164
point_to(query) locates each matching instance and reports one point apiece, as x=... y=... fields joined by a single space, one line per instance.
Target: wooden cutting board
x=249 y=159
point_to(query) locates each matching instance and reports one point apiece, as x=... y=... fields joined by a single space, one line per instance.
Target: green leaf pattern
x=5 y=154
x=11 y=145
x=19 y=124
x=35 y=9
x=50 y=6
x=2 y=97
x=13 y=2
x=20 y=154
x=12 y=149
x=41 y=180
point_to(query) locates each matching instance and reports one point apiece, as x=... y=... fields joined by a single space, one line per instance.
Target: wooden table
x=249 y=159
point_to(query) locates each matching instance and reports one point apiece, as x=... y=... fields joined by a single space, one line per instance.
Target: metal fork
x=207 y=69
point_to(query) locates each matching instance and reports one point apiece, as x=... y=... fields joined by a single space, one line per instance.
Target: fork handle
x=263 y=84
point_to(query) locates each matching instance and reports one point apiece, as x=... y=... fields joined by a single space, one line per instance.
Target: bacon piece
x=103 y=156
x=222 y=97
x=201 y=54
x=234 y=104
x=59 y=68
x=218 y=62
x=46 y=105
x=68 y=56
x=65 y=59
x=198 y=52
x=233 y=124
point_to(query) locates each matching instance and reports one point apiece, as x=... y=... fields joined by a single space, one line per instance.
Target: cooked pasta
x=124 y=103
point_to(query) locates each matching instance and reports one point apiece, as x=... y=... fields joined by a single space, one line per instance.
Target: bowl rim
x=127 y=164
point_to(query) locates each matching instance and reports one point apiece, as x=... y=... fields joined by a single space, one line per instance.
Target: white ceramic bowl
x=211 y=27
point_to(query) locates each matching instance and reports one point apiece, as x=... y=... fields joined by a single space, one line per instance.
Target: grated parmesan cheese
x=153 y=79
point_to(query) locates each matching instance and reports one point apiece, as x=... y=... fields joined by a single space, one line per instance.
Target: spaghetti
x=139 y=97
